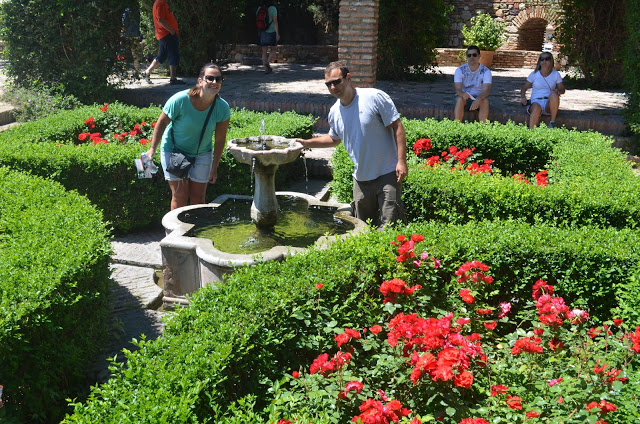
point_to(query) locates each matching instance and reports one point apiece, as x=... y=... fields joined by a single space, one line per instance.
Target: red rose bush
x=534 y=360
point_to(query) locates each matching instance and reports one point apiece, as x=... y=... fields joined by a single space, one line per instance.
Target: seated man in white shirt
x=472 y=82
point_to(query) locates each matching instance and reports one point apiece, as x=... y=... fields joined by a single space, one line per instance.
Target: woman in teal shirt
x=179 y=127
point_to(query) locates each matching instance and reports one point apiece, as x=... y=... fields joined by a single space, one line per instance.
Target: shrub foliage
x=54 y=289
x=105 y=172
x=62 y=43
x=408 y=33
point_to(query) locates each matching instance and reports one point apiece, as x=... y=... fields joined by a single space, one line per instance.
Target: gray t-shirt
x=472 y=81
x=363 y=126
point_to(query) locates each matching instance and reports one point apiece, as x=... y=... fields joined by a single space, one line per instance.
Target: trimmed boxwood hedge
x=54 y=288
x=590 y=183
x=106 y=173
x=232 y=342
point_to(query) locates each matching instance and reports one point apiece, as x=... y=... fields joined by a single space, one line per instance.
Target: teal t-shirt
x=186 y=124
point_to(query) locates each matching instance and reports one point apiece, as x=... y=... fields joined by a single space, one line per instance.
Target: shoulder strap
x=206 y=121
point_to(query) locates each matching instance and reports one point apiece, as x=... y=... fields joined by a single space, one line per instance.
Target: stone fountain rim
x=204 y=247
x=296 y=146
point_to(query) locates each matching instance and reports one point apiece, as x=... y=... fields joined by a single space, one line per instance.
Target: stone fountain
x=191 y=262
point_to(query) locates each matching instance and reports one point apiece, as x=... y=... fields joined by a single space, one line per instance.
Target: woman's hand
x=213 y=176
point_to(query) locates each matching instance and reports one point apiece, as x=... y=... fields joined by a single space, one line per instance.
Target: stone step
x=6 y=114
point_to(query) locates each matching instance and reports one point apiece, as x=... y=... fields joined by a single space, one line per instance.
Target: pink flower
x=505 y=308
x=355 y=386
x=555 y=381
x=577 y=316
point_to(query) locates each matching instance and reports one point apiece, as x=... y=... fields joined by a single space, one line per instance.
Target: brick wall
x=251 y=54
x=358 y=39
x=501 y=59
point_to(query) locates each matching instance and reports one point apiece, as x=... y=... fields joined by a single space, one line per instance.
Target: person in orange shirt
x=167 y=33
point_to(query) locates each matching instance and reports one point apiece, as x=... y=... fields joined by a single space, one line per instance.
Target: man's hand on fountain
x=302 y=141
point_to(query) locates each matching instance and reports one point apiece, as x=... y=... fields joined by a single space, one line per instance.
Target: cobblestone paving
x=301 y=88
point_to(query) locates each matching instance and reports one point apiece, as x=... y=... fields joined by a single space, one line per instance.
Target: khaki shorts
x=378 y=200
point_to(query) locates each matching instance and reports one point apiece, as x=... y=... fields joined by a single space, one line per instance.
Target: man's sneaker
x=552 y=124
x=267 y=69
x=147 y=78
x=176 y=81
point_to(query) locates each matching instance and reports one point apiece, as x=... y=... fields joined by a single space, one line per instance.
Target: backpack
x=262 y=18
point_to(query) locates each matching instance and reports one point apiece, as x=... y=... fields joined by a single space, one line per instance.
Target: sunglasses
x=212 y=78
x=544 y=59
x=472 y=54
x=335 y=82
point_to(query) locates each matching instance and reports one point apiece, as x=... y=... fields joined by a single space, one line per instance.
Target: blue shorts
x=267 y=38
x=169 y=48
x=467 y=104
x=199 y=172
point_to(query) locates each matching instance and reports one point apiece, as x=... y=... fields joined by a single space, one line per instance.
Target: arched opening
x=531 y=34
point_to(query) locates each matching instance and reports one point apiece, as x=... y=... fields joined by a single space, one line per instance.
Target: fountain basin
x=266 y=149
x=264 y=154
x=190 y=263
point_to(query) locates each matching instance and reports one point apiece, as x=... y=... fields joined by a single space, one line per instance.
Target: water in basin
x=231 y=229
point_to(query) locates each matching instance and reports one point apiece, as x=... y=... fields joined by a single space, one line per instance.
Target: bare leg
x=151 y=67
x=179 y=193
x=483 y=113
x=264 y=56
x=458 y=112
x=197 y=192
x=553 y=105
x=535 y=111
x=272 y=54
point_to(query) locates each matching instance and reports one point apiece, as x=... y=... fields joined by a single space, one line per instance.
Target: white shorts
x=542 y=103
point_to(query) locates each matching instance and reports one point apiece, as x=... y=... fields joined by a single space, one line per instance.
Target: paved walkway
x=301 y=88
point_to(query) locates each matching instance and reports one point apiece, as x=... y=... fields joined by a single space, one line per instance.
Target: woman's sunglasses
x=544 y=59
x=212 y=78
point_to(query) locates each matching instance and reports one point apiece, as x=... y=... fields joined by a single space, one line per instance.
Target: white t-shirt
x=364 y=128
x=472 y=81
x=543 y=86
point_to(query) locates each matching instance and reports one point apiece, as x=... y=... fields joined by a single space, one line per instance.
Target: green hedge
x=590 y=183
x=231 y=343
x=106 y=174
x=54 y=288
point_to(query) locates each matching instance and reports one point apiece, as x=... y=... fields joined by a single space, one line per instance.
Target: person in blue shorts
x=179 y=128
x=472 y=82
x=269 y=37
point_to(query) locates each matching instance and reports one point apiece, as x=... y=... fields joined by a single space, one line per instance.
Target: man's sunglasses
x=212 y=78
x=335 y=82
x=544 y=59
x=472 y=54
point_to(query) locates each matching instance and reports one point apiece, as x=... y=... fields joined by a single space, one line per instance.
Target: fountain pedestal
x=264 y=209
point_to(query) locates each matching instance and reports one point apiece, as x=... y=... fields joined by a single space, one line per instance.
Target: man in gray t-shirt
x=368 y=123
x=472 y=82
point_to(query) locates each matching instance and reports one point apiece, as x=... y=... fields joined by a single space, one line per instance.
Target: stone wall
x=526 y=21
